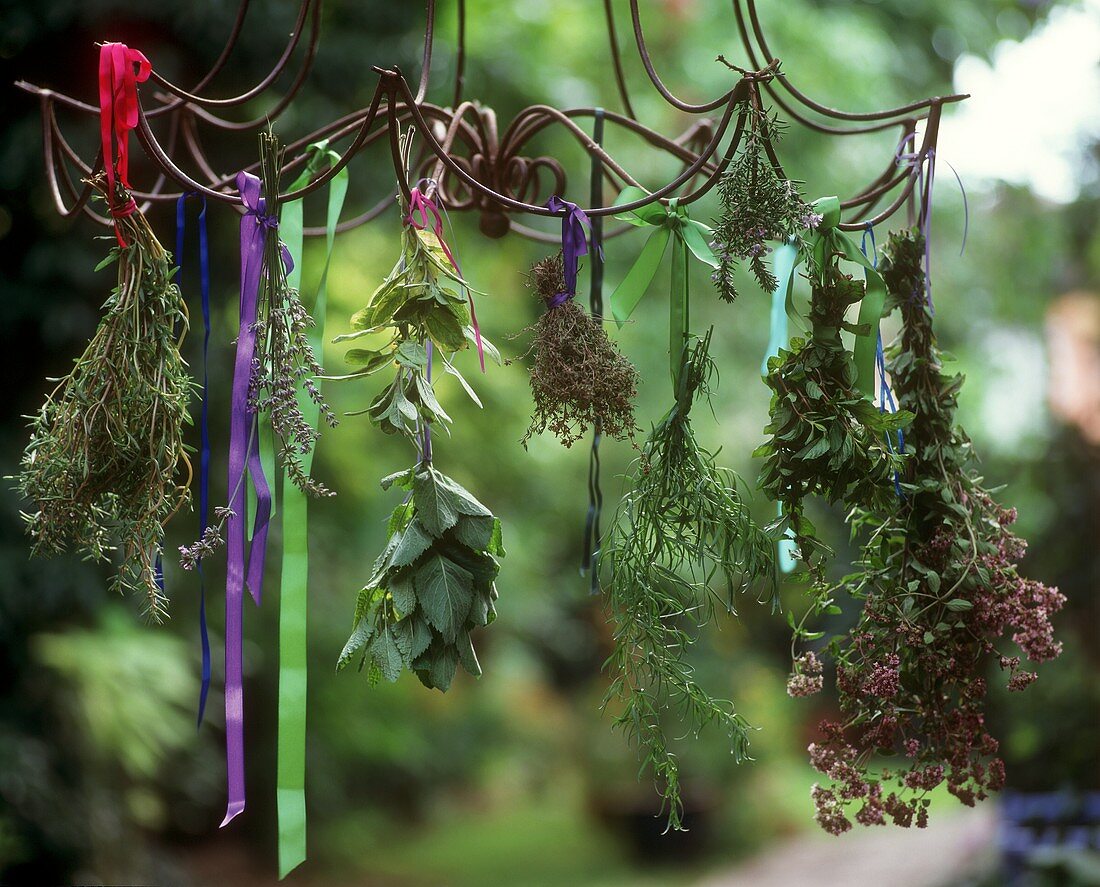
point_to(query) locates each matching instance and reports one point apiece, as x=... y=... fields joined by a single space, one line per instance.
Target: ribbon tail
x=678 y=310
x=630 y=290
x=784 y=261
x=257 y=552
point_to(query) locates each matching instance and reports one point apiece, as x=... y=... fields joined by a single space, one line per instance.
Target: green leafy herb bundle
x=434 y=581
x=683 y=527
x=759 y=204
x=940 y=591
x=431 y=586
x=102 y=466
x=579 y=378
x=284 y=360
x=826 y=438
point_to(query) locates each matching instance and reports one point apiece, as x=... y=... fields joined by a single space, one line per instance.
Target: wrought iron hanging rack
x=464 y=155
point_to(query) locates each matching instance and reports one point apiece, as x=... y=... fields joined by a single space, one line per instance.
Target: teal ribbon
x=687 y=236
x=826 y=241
x=295 y=568
x=784 y=261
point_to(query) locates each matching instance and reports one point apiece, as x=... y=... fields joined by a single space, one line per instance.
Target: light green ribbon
x=295 y=570
x=784 y=260
x=686 y=235
x=828 y=240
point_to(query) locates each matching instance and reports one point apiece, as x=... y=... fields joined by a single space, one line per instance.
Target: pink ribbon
x=118 y=114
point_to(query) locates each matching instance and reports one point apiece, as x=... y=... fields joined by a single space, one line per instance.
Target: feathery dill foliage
x=683 y=528
x=940 y=589
x=826 y=438
x=284 y=360
x=579 y=378
x=759 y=205
x=106 y=447
x=435 y=580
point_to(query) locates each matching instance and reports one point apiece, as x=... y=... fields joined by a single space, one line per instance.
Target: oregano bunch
x=683 y=544
x=826 y=438
x=431 y=586
x=103 y=463
x=759 y=204
x=579 y=378
x=940 y=589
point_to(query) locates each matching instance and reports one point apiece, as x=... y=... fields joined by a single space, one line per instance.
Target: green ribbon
x=671 y=224
x=785 y=259
x=295 y=570
x=826 y=241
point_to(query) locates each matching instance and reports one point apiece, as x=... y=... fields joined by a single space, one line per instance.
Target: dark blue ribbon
x=204 y=459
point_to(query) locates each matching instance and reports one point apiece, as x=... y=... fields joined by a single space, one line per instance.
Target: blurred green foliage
x=515 y=778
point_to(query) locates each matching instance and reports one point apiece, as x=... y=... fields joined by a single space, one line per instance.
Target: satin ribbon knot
x=118 y=114
x=574 y=244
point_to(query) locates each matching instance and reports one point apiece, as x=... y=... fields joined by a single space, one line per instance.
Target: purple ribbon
x=244 y=464
x=574 y=244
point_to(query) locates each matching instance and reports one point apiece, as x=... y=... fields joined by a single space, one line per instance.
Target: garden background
x=516 y=778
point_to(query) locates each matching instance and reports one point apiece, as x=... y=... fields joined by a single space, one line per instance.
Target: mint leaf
x=412 y=637
x=445 y=592
x=436 y=503
x=466 y=654
x=386 y=655
x=414 y=542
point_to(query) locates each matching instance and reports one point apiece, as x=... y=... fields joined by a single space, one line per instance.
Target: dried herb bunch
x=940 y=591
x=826 y=438
x=759 y=204
x=284 y=361
x=683 y=528
x=431 y=586
x=103 y=463
x=579 y=378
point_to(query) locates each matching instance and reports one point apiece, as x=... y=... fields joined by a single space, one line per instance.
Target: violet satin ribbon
x=204 y=434
x=430 y=219
x=574 y=244
x=244 y=461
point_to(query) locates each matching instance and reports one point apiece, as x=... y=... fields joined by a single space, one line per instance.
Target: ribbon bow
x=826 y=241
x=430 y=219
x=574 y=244
x=118 y=114
x=256 y=207
x=687 y=235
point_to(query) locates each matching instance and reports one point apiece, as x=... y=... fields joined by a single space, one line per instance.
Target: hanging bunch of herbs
x=284 y=363
x=759 y=203
x=434 y=581
x=284 y=360
x=940 y=590
x=432 y=585
x=579 y=378
x=683 y=544
x=826 y=438
x=103 y=466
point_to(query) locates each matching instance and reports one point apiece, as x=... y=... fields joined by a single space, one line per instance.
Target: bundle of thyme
x=940 y=589
x=684 y=526
x=103 y=463
x=284 y=360
x=759 y=204
x=826 y=438
x=579 y=378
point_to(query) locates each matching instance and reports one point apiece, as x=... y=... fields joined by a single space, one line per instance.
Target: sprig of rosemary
x=759 y=205
x=684 y=526
x=107 y=446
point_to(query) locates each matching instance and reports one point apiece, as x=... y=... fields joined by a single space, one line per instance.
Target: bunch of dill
x=683 y=528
